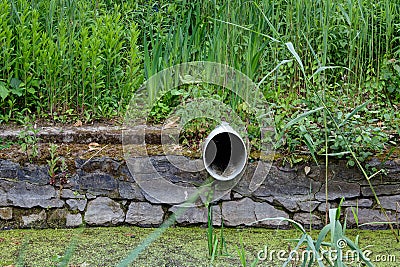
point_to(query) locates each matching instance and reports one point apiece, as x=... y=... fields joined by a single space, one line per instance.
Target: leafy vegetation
x=342 y=53
x=328 y=69
x=97 y=246
x=58 y=169
x=324 y=253
x=28 y=139
x=63 y=61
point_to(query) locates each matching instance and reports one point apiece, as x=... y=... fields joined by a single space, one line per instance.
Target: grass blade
x=322 y=236
x=351 y=114
x=297 y=119
x=247 y=29
x=357 y=249
x=320 y=69
x=290 y=46
x=272 y=71
x=301 y=241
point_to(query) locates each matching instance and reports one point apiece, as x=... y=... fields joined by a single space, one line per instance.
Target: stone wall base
x=102 y=192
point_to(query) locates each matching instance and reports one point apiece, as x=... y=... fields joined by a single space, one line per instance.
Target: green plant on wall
x=58 y=169
x=28 y=139
x=52 y=162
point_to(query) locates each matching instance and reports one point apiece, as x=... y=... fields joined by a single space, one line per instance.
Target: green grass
x=66 y=60
x=176 y=247
x=81 y=56
x=348 y=52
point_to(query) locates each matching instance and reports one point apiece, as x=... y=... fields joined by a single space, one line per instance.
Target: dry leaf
x=78 y=123
x=175 y=147
x=94 y=146
x=307 y=170
x=172 y=122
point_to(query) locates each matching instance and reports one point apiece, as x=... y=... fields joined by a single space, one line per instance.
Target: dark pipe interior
x=223 y=156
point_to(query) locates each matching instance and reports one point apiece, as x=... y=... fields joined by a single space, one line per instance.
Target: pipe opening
x=224 y=154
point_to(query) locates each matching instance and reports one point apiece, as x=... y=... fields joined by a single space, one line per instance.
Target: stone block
x=248 y=212
x=309 y=205
x=279 y=184
x=143 y=213
x=9 y=169
x=77 y=204
x=361 y=203
x=37 y=220
x=339 y=189
x=130 y=191
x=68 y=193
x=97 y=183
x=305 y=219
x=381 y=190
x=390 y=202
x=369 y=217
x=27 y=195
x=103 y=211
x=34 y=174
x=196 y=215
x=73 y=220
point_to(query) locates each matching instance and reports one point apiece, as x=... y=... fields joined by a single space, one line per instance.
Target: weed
x=83 y=64
x=212 y=239
x=320 y=251
x=57 y=172
x=28 y=139
x=52 y=162
x=338 y=131
x=242 y=255
x=5 y=143
x=254 y=41
x=63 y=175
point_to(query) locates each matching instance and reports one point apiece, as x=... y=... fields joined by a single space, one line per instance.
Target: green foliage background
x=63 y=60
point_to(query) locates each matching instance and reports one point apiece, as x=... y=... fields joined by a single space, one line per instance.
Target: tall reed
x=67 y=57
x=356 y=34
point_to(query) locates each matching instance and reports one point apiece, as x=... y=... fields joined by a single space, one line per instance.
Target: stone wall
x=102 y=192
